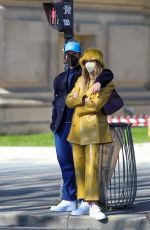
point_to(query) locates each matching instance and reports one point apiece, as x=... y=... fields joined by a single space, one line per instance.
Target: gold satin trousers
x=86 y=163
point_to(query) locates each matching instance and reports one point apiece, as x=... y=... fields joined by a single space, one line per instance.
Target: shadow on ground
x=33 y=188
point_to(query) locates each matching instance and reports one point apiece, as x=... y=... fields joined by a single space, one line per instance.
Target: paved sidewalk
x=29 y=184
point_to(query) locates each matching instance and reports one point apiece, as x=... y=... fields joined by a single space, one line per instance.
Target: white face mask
x=90 y=66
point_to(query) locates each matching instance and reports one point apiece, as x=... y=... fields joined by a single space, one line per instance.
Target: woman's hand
x=96 y=88
x=75 y=95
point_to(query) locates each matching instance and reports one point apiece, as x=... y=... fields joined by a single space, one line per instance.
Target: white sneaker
x=95 y=212
x=64 y=206
x=82 y=210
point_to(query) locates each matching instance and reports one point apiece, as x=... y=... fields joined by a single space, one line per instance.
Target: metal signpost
x=60 y=17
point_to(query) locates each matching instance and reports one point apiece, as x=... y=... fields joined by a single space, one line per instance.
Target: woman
x=88 y=131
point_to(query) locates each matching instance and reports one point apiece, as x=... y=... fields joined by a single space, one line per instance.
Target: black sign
x=54 y=13
x=68 y=14
x=60 y=15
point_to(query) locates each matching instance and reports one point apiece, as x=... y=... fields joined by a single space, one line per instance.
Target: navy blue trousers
x=65 y=159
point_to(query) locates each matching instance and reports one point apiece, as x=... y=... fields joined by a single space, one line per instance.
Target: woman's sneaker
x=64 y=206
x=95 y=212
x=82 y=210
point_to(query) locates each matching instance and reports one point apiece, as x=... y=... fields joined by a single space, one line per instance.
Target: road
x=30 y=178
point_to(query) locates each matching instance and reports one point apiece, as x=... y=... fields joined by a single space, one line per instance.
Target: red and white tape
x=148 y=126
x=135 y=120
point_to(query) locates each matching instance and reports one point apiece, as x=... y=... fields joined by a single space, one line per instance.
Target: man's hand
x=96 y=88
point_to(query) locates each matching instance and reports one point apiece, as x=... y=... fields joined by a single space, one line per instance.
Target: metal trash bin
x=118 y=177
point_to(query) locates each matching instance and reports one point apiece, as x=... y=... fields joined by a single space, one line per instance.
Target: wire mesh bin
x=118 y=178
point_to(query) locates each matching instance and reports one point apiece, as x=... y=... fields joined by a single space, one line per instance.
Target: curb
x=67 y=222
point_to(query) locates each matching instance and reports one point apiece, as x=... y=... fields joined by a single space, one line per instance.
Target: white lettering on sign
x=67 y=9
x=66 y=22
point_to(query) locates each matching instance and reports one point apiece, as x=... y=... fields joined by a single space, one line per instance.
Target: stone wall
x=30 y=51
x=25 y=47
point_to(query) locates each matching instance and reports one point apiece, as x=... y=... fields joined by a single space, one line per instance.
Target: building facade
x=31 y=55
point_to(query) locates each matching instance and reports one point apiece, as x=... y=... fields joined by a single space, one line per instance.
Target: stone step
x=63 y=221
x=24 y=112
x=39 y=96
x=25 y=228
x=129 y=95
x=26 y=119
x=135 y=96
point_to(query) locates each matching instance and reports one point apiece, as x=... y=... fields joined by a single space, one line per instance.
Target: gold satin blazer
x=89 y=123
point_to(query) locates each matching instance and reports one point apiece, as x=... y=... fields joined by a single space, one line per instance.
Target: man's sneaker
x=96 y=213
x=64 y=206
x=82 y=210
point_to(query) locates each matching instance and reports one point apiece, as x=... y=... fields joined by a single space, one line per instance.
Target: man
x=61 y=122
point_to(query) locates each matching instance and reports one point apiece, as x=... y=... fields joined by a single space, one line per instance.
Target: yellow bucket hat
x=92 y=54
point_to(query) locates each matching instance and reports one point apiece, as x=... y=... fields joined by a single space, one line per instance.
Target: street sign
x=68 y=19
x=54 y=13
x=60 y=16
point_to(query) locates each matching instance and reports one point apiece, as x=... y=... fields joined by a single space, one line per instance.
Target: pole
x=68 y=19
